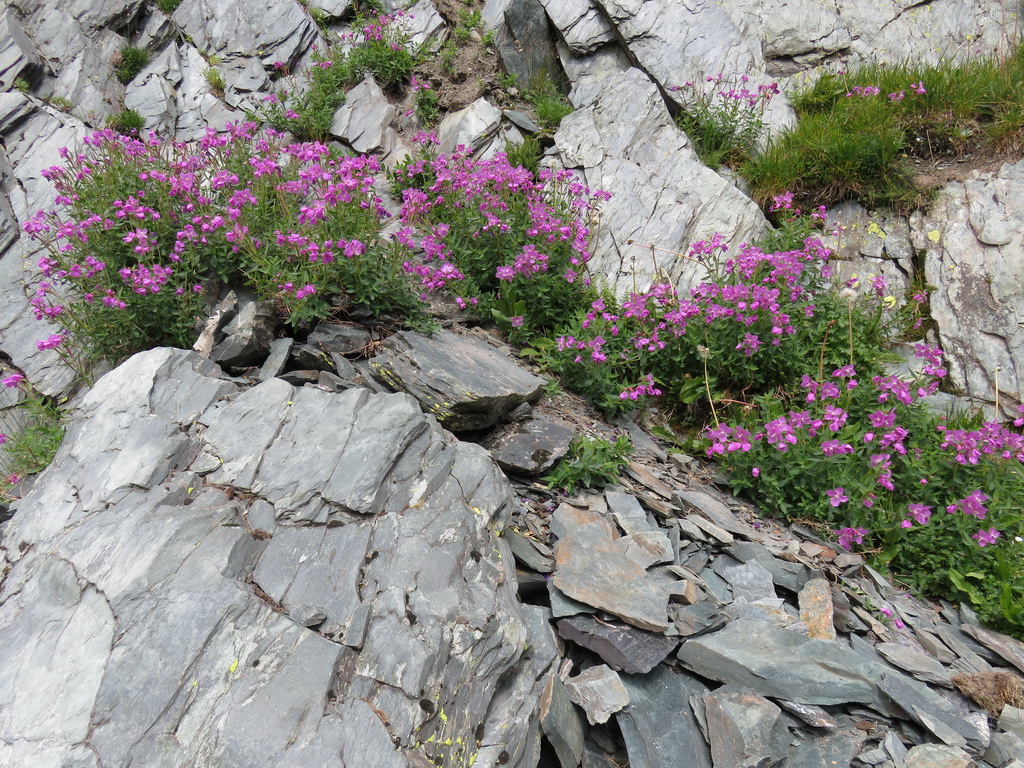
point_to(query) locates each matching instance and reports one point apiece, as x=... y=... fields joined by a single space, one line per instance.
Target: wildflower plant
x=378 y=44
x=935 y=498
x=724 y=120
x=143 y=227
x=509 y=245
x=748 y=328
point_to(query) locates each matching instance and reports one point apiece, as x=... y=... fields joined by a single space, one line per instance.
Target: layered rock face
x=281 y=576
x=306 y=568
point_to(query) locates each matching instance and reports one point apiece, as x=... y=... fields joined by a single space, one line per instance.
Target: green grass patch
x=130 y=63
x=856 y=131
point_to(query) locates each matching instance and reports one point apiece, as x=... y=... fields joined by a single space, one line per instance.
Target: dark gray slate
x=833 y=751
x=526 y=43
x=920 y=665
x=343 y=339
x=529 y=447
x=250 y=335
x=591 y=567
x=791 y=576
x=621 y=647
x=749 y=581
x=599 y=692
x=659 y=726
x=561 y=723
x=1008 y=648
x=465 y=383
x=746 y=730
x=783 y=664
x=530 y=553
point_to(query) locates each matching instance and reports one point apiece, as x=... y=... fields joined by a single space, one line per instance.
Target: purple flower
x=921 y=513
x=516 y=322
x=51 y=343
x=984 y=538
x=837 y=496
x=13 y=380
x=851 y=535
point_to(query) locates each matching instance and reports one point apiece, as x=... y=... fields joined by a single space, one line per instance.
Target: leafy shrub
x=934 y=499
x=145 y=225
x=525 y=154
x=750 y=327
x=592 y=462
x=427 y=106
x=723 y=120
x=168 y=6
x=131 y=61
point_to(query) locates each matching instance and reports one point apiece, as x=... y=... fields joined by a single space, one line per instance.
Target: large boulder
x=273 y=576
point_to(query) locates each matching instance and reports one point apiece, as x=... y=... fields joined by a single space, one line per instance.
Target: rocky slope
x=301 y=567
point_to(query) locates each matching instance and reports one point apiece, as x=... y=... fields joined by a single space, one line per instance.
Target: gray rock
x=658 y=726
x=249 y=336
x=18 y=55
x=340 y=338
x=810 y=714
x=745 y=729
x=782 y=664
x=831 y=750
x=529 y=447
x=466 y=383
x=524 y=43
x=1011 y=720
x=533 y=554
x=786 y=574
x=680 y=43
x=920 y=665
x=592 y=568
x=580 y=23
x=361 y=120
x=560 y=723
x=623 y=648
x=972 y=243
x=599 y=691
x=423 y=24
x=277 y=358
x=1003 y=748
x=624 y=141
x=937 y=756
x=748 y=581
x=470 y=127
x=1008 y=648
x=138 y=602
x=627 y=512
x=237 y=28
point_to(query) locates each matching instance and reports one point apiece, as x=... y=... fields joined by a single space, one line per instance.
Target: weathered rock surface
x=972 y=240
x=466 y=383
x=137 y=601
x=361 y=120
x=623 y=141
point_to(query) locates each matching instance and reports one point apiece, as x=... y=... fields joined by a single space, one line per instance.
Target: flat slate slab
x=465 y=383
x=593 y=568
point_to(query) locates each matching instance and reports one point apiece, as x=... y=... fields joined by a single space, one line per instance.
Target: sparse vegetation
x=131 y=61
